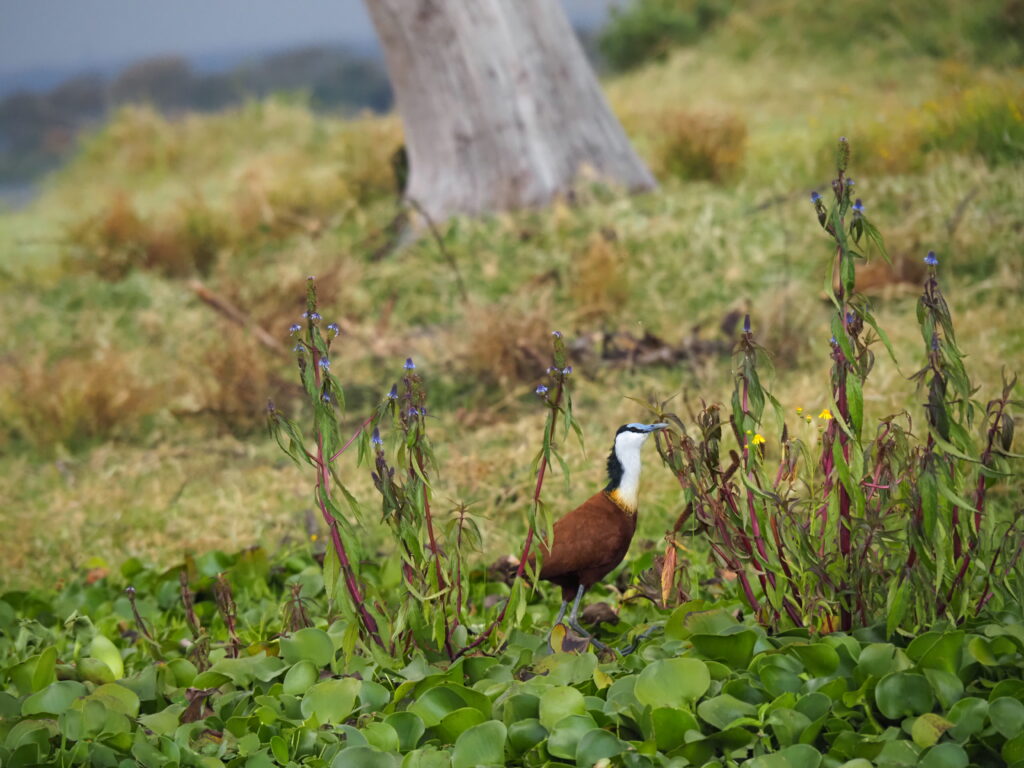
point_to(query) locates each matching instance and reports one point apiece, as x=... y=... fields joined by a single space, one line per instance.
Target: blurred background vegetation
x=146 y=292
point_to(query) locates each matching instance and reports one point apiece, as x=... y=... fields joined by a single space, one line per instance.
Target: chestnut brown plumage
x=590 y=541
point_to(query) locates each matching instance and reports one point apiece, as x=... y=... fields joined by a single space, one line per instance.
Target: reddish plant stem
x=528 y=543
x=323 y=491
x=441 y=581
x=358 y=432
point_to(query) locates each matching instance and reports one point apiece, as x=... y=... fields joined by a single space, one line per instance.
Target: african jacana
x=592 y=539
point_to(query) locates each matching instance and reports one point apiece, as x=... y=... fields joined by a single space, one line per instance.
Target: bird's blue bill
x=647 y=427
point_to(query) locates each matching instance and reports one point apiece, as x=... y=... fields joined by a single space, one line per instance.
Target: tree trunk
x=500 y=107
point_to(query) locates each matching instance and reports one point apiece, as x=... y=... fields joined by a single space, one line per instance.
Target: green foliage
x=951 y=696
x=886 y=527
x=648 y=29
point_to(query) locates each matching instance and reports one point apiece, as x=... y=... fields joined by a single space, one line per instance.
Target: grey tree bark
x=500 y=107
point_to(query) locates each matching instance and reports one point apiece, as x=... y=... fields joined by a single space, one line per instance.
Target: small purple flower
x=815 y=197
x=541 y=390
x=311 y=277
x=409 y=364
x=935 y=341
x=295 y=328
x=858 y=206
x=413 y=411
x=334 y=327
x=746 y=323
x=551 y=369
x=324 y=364
x=850 y=317
x=326 y=397
x=376 y=439
x=393 y=394
x=567 y=370
x=931 y=259
x=833 y=341
x=311 y=315
x=298 y=348
x=557 y=334
x=849 y=182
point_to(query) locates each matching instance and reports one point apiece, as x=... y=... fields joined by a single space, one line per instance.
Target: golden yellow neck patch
x=620 y=502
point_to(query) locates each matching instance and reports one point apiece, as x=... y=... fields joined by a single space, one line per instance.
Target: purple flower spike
x=541 y=390
x=295 y=328
x=815 y=197
x=931 y=259
x=324 y=364
x=567 y=370
x=746 y=323
x=334 y=327
x=409 y=364
x=858 y=206
x=298 y=348
x=557 y=334
x=393 y=394
x=376 y=439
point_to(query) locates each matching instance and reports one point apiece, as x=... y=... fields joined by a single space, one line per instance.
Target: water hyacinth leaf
x=525 y=734
x=721 y=711
x=520 y=706
x=669 y=726
x=934 y=650
x=819 y=659
x=566 y=735
x=117 y=698
x=300 y=678
x=672 y=682
x=54 y=699
x=1013 y=751
x=948 y=688
x=107 y=652
x=968 y=717
x=363 y=757
x=902 y=694
x=409 y=728
x=734 y=649
x=455 y=723
x=558 y=703
x=1007 y=716
x=597 y=745
x=787 y=725
x=308 y=644
x=795 y=756
x=381 y=736
x=330 y=701
x=482 y=744
x=928 y=729
x=946 y=755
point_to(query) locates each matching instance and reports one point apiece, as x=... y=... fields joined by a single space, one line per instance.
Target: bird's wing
x=589 y=536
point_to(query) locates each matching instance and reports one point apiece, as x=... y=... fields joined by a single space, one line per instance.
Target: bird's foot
x=584 y=635
x=640 y=638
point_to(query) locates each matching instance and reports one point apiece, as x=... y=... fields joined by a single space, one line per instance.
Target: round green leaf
x=734 y=649
x=597 y=744
x=107 y=652
x=819 y=659
x=454 y=724
x=934 y=650
x=670 y=726
x=1013 y=750
x=968 y=717
x=928 y=729
x=525 y=734
x=948 y=688
x=95 y=671
x=482 y=744
x=903 y=694
x=362 y=757
x=795 y=756
x=300 y=678
x=330 y=701
x=311 y=644
x=947 y=755
x=566 y=735
x=117 y=698
x=558 y=703
x=438 y=702
x=1007 y=715
x=409 y=727
x=53 y=699
x=381 y=735
x=722 y=710
x=672 y=682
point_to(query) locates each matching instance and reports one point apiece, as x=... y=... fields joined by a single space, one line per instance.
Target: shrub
x=698 y=145
x=648 y=29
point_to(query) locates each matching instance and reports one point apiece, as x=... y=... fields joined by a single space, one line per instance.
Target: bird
x=589 y=542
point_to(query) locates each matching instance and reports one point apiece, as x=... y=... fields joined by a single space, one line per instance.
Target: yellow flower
x=799 y=410
x=758 y=439
x=825 y=414
x=314 y=537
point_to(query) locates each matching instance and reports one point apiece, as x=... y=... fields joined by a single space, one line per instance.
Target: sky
x=63 y=34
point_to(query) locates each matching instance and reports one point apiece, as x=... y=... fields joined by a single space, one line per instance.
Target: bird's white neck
x=627 y=450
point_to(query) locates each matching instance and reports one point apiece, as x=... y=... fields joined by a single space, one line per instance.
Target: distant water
x=15 y=196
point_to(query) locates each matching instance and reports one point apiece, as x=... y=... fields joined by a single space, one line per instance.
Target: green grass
x=297 y=194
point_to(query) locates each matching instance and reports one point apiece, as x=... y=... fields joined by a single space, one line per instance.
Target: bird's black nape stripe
x=614 y=469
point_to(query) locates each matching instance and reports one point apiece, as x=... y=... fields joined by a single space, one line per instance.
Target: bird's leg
x=561 y=613
x=640 y=638
x=575 y=624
